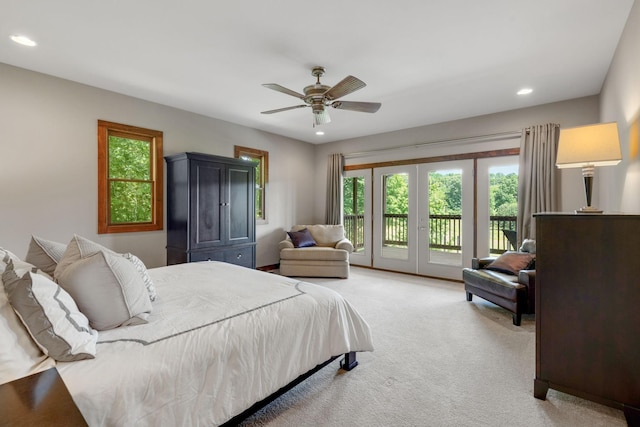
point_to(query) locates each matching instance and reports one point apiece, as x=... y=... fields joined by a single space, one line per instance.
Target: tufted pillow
x=302 y=238
x=45 y=254
x=50 y=315
x=512 y=262
x=108 y=290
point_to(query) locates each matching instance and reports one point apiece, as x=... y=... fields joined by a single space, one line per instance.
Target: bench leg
x=469 y=296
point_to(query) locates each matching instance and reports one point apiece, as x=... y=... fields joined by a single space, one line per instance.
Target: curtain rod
x=480 y=138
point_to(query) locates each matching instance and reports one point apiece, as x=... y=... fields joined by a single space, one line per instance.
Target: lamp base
x=589 y=209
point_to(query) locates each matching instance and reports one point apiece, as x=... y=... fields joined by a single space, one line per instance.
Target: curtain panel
x=333 y=215
x=538 y=176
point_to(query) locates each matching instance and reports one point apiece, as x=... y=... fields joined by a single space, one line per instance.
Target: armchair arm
x=528 y=278
x=479 y=263
x=345 y=244
x=285 y=244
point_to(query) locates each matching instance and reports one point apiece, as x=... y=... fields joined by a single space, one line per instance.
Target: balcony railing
x=445 y=231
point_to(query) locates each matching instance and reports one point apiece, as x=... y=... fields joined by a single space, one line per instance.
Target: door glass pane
x=445 y=217
x=353 y=189
x=503 y=208
x=396 y=209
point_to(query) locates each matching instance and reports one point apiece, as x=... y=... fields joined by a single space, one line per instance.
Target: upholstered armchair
x=315 y=251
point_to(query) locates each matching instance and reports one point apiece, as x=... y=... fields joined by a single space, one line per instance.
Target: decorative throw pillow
x=50 y=315
x=302 y=238
x=45 y=254
x=108 y=290
x=528 y=245
x=512 y=262
x=142 y=270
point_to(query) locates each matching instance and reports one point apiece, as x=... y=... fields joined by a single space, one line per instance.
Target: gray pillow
x=78 y=248
x=45 y=254
x=108 y=290
x=50 y=315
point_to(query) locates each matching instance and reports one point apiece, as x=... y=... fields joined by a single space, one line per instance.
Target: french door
x=431 y=218
x=445 y=218
x=357 y=214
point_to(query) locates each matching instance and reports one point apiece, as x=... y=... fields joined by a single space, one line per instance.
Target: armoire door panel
x=208 y=204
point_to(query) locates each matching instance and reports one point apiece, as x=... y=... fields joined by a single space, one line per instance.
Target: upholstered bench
x=514 y=292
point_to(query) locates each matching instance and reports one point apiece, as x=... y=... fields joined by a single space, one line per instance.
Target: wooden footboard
x=348 y=363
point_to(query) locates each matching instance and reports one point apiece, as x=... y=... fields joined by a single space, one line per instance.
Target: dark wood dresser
x=587 y=321
x=210 y=209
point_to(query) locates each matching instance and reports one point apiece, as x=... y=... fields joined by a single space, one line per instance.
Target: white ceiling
x=426 y=61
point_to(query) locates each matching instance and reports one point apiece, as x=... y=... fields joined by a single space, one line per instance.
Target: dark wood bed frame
x=348 y=363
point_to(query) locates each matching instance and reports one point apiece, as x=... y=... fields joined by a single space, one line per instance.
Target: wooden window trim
x=237 y=152
x=105 y=129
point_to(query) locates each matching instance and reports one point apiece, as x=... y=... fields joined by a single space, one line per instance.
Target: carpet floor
x=438 y=361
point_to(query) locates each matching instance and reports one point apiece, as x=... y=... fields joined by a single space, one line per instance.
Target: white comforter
x=219 y=339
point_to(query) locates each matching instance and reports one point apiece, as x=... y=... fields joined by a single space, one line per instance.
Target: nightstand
x=40 y=399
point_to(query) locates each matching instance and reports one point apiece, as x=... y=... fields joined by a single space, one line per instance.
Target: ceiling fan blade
x=321 y=117
x=364 y=107
x=283 y=89
x=344 y=87
x=283 y=109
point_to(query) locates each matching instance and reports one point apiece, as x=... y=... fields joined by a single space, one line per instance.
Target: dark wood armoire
x=210 y=209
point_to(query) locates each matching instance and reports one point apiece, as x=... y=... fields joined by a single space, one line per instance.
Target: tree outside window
x=130 y=178
x=261 y=159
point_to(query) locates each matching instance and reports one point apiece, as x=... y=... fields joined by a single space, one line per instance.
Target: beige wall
x=620 y=102
x=567 y=113
x=48 y=163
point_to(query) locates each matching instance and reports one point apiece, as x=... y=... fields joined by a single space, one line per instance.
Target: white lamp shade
x=595 y=145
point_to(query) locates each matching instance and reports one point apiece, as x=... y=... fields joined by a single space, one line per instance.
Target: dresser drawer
x=241 y=255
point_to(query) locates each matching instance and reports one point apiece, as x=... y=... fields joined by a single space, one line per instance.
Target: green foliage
x=503 y=194
x=396 y=193
x=353 y=186
x=129 y=159
x=130 y=188
x=445 y=193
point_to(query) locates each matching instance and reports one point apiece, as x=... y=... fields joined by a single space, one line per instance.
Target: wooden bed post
x=349 y=362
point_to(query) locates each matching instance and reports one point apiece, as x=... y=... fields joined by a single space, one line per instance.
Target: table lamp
x=587 y=147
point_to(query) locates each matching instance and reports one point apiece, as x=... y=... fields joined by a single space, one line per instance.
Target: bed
x=218 y=340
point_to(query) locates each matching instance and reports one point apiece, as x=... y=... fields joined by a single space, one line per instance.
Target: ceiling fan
x=319 y=97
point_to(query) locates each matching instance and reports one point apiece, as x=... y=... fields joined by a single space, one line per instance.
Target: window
x=130 y=178
x=261 y=158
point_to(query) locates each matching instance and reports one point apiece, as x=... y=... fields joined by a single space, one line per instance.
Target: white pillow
x=108 y=290
x=50 y=315
x=5 y=256
x=45 y=254
x=19 y=354
x=142 y=270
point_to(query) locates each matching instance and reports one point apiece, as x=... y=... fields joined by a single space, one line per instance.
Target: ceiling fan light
x=23 y=40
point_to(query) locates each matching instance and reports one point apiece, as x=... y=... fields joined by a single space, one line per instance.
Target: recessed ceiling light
x=319 y=133
x=23 y=40
x=525 y=91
